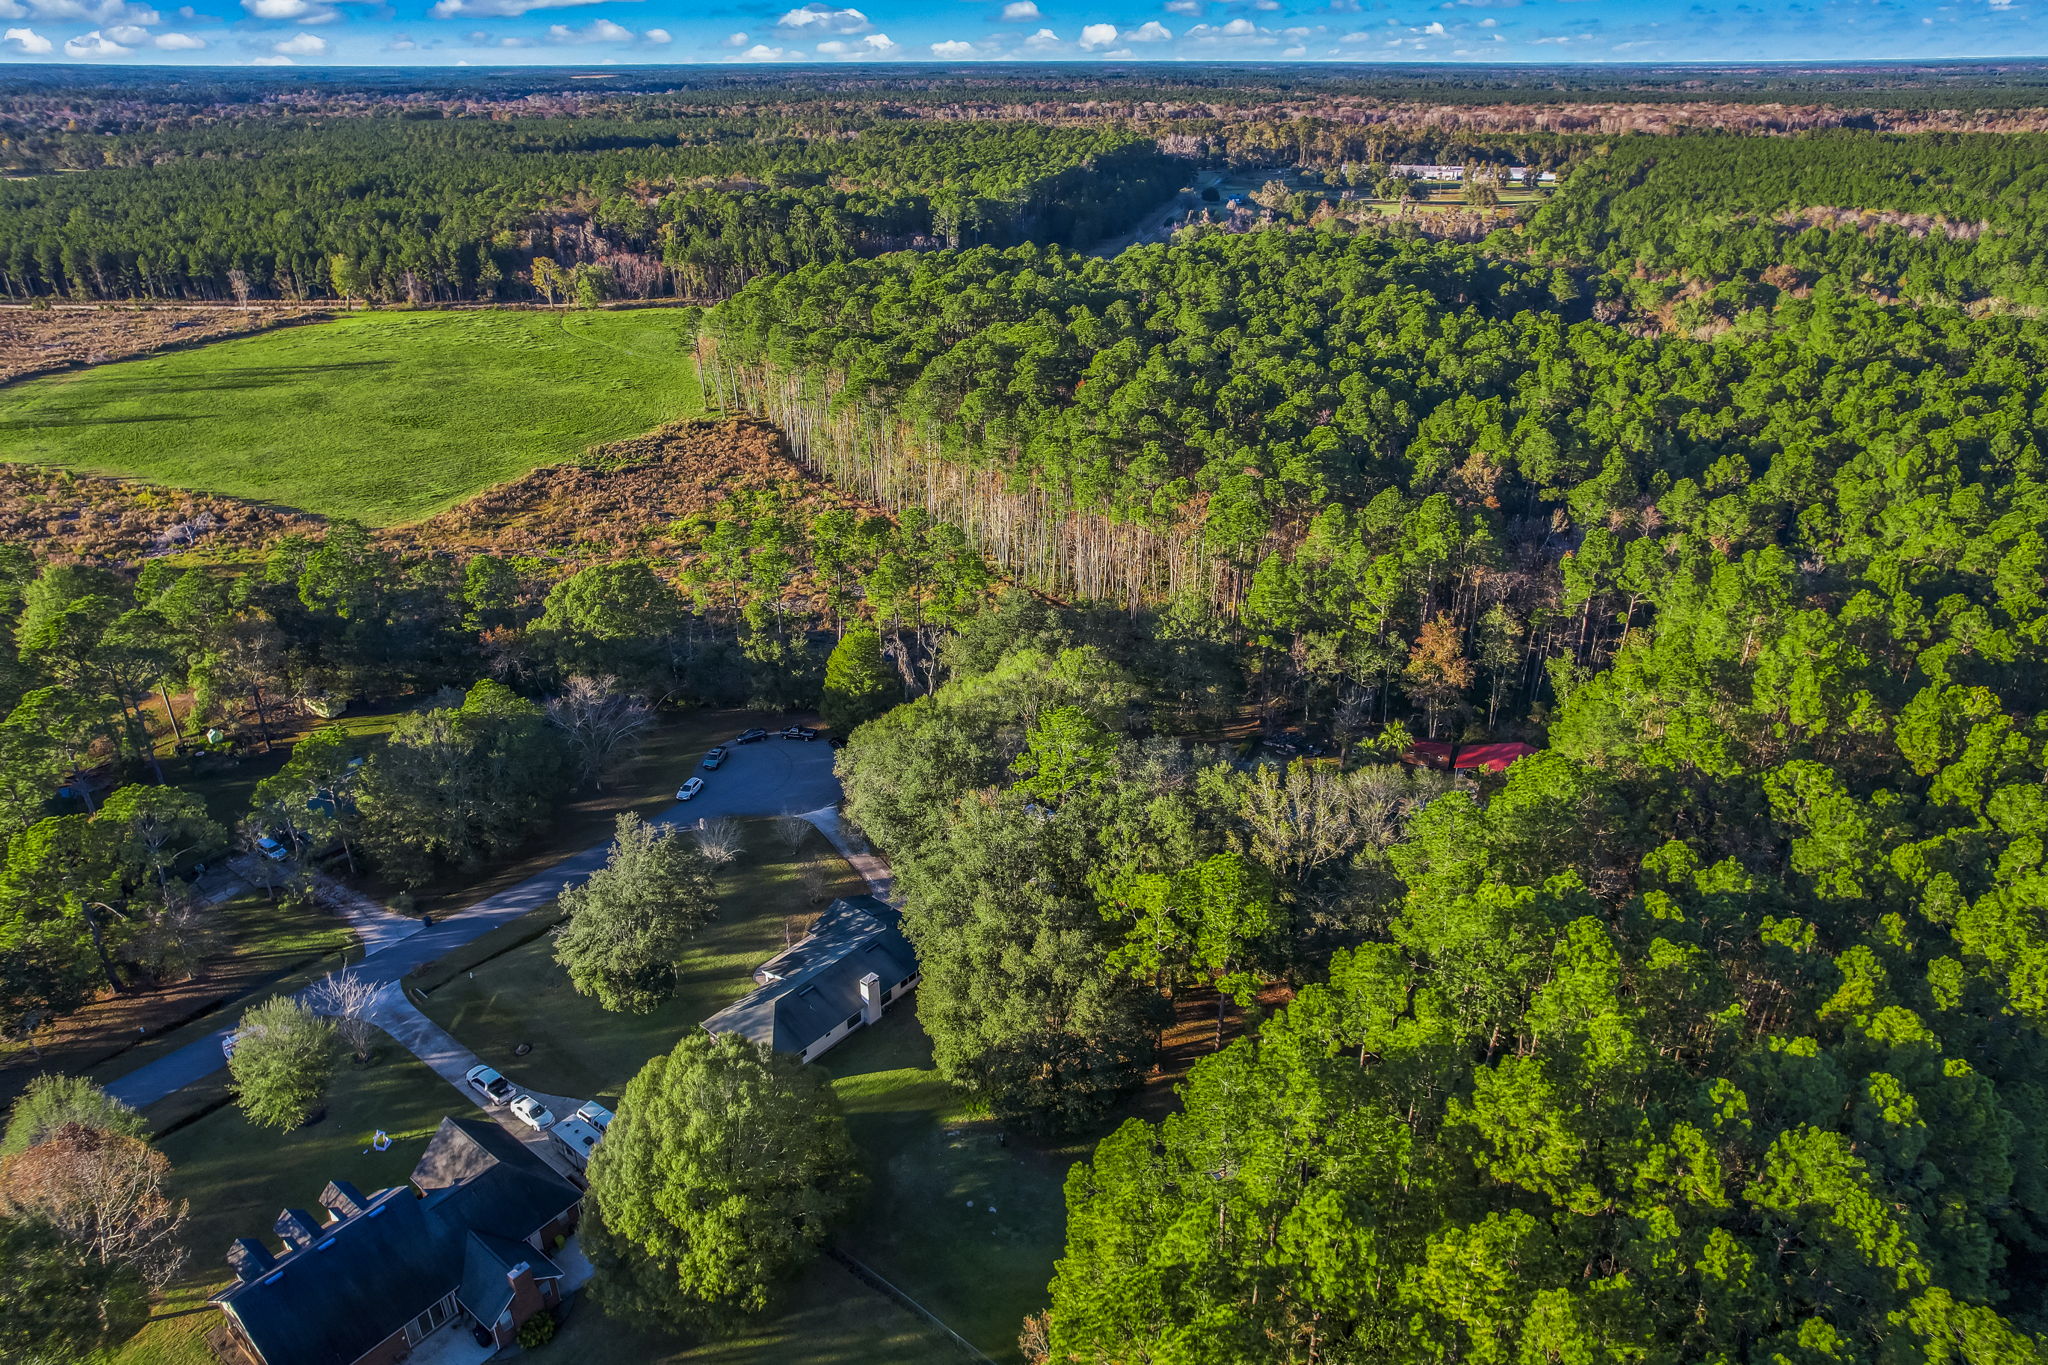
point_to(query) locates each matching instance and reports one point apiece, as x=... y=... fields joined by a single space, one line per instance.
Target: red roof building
x=1445 y=756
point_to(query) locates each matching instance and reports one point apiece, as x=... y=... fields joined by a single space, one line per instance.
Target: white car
x=689 y=789
x=532 y=1113
x=595 y=1114
x=490 y=1087
x=272 y=849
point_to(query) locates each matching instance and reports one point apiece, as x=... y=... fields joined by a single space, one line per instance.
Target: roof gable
x=817 y=982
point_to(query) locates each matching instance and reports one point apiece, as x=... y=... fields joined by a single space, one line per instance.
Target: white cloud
x=817 y=18
x=1040 y=41
x=1266 y=4
x=1489 y=22
x=101 y=12
x=299 y=11
x=178 y=42
x=301 y=45
x=1098 y=35
x=500 y=9
x=127 y=34
x=761 y=52
x=874 y=45
x=596 y=31
x=401 y=44
x=26 y=41
x=1152 y=31
x=94 y=45
x=1435 y=30
x=1020 y=12
x=1187 y=7
x=658 y=37
x=275 y=61
x=952 y=49
x=735 y=40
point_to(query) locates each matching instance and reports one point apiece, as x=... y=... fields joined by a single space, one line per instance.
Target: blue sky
x=563 y=32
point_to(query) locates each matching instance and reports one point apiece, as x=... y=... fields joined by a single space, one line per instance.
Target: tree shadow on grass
x=86 y=420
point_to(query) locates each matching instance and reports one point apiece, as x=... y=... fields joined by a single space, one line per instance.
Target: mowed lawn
x=576 y=1047
x=384 y=417
x=960 y=1220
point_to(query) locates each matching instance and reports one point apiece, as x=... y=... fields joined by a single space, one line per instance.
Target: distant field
x=385 y=417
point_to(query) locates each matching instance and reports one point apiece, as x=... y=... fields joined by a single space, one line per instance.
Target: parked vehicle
x=594 y=1114
x=227 y=1044
x=689 y=789
x=751 y=736
x=488 y=1084
x=578 y=1139
x=715 y=757
x=272 y=849
x=800 y=732
x=533 y=1113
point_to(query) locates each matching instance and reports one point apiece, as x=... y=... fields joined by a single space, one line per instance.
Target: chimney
x=870 y=998
x=250 y=1258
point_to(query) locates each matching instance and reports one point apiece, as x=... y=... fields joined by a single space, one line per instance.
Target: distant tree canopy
x=462 y=209
x=1718 y=225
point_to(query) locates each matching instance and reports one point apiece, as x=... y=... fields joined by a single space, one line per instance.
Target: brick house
x=378 y=1274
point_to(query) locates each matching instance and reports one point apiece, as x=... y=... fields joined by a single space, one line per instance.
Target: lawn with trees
x=1703 y=1022
x=384 y=417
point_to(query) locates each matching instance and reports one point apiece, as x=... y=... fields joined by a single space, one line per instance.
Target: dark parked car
x=799 y=732
x=750 y=736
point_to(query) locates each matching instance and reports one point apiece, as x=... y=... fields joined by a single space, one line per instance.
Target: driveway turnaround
x=771 y=777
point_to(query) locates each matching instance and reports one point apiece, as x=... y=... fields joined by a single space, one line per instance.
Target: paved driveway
x=773 y=777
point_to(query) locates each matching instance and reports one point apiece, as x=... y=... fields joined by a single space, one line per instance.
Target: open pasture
x=384 y=417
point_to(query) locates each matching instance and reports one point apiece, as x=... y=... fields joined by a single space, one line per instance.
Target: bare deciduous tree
x=103 y=1191
x=814 y=879
x=347 y=999
x=603 y=724
x=719 y=840
x=794 y=831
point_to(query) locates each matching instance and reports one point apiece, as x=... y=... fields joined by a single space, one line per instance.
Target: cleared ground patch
x=385 y=417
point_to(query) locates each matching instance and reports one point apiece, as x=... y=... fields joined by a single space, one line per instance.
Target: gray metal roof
x=819 y=979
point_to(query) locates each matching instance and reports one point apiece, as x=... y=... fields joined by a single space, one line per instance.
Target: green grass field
x=385 y=417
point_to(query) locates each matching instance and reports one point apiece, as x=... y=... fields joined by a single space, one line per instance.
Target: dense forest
x=1724 y=223
x=1710 y=1028
x=431 y=209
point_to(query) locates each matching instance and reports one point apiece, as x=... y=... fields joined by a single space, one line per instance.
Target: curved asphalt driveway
x=772 y=777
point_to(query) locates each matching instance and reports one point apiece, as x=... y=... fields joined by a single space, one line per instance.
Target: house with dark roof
x=379 y=1273
x=853 y=965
